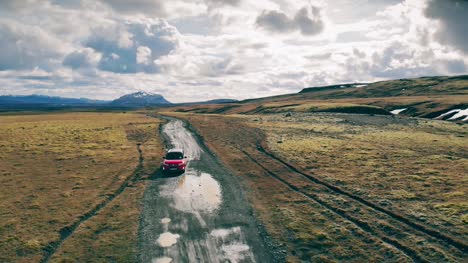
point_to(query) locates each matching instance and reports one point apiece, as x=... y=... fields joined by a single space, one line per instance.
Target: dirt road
x=200 y=216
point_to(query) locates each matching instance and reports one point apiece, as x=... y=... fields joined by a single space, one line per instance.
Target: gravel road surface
x=199 y=216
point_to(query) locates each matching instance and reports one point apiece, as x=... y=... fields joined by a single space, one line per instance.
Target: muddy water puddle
x=232 y=245
x=162 y=260
x=165 y=220
x=167 y=239
x=194 y=192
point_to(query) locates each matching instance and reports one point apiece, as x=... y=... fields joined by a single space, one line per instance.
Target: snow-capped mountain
x=139 y=99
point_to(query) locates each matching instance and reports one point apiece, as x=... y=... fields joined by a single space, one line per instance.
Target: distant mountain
x=10 y=100
x=140 y=99
x=217 y=101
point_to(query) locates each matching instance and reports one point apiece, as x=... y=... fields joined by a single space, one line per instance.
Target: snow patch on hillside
x=398 y=111
x=459 y=113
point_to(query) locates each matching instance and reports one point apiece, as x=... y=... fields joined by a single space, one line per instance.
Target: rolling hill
x=427 y=97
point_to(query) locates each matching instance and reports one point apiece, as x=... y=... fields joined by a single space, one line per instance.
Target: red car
x=175 y=161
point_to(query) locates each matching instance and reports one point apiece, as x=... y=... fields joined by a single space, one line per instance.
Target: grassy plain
x=54 y=168
x=412 y=167
x=417 y=167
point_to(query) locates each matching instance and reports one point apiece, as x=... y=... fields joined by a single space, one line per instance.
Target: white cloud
x=451 y=16
x=27 y=47
x=206 y=49
x=307 y=20
x=125 y=45
x=223 y=2
x=84 y=58
x=143 y=55
x=150 y=7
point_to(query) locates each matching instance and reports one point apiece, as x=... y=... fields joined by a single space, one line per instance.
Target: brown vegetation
x=426 y=97
x=56 y=168
x=366 y=188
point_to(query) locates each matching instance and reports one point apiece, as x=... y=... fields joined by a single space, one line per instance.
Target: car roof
x=175 y=150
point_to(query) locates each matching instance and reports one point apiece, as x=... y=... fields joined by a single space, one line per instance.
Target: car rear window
x=174 y=156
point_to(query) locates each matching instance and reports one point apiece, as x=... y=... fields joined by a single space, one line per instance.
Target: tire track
x=51 y=248
x=460 y=245
x=408 y=252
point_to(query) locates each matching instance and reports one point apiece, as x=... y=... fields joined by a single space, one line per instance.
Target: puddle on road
x=194 y=193
x=231 y=245
x=224 y=233
x=162 y=260
x=235 y=253
x=165 y=220
x=197 y=193
x=167 y=239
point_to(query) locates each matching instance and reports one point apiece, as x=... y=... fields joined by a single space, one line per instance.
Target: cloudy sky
x=193 y=50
